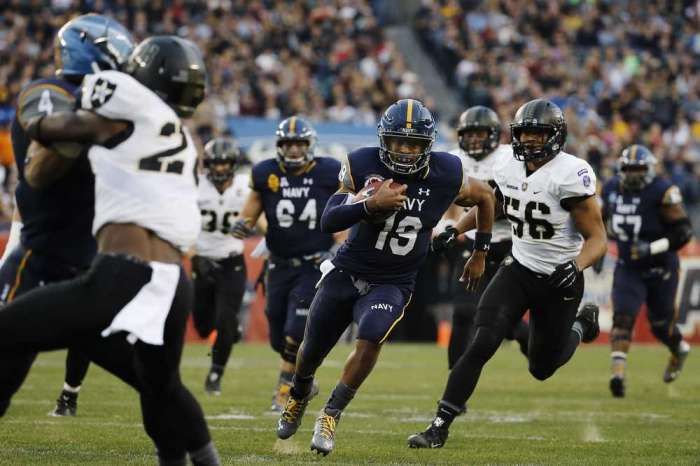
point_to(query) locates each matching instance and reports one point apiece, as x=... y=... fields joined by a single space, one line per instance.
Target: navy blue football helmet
x=295 y=129
x=637 y=167
x=407 y=121
x=90 y=43
x=539 y=115
x=221 y=158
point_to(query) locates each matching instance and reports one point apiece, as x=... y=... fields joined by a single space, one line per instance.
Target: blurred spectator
x=625 y=72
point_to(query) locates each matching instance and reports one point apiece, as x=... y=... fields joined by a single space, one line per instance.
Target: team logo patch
x=524 y=186
x=586 y=180
x=273 y=182
x=508 y=260
x=101 y=92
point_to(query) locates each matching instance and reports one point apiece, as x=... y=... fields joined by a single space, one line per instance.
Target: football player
x=646 y=217
x=478 y=133
x=392 y=196
x=218 y=268
x=549 y=198
x=291 y=189
x=56 y=241
x=129 y=311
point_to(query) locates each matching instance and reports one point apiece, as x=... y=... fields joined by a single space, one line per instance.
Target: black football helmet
x=479 y=118
x=221 y=158
x=295 y=129
x=409 y=121
x=637 y=167
x=173 y=68
x=538 y=115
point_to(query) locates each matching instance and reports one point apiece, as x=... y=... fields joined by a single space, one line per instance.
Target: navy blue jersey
x=57 y=219
x=293 y=205
x=392 y=251
x=635 y=216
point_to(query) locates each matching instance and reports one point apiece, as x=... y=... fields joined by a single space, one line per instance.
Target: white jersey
x=483 y=170
x=219 y=212
x=147 y=176
x=543 y=231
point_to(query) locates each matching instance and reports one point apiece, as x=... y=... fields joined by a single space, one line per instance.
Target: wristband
x=482 y=241
x=659 y=246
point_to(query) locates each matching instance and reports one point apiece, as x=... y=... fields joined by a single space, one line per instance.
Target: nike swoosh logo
x=536 y=192
x=567 y=298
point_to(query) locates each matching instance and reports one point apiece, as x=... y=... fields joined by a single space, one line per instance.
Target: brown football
x=367 y=192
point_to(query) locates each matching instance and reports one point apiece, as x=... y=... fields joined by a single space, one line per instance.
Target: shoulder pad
x=43 y=99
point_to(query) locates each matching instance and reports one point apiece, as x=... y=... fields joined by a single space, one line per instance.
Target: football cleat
x=588 y=317
x=323 y=439
x=281 y=395
x=675 y=363
x=212 y=384
x=293 y=412
x=617 y=386
x=432 y=437
x=66 y=404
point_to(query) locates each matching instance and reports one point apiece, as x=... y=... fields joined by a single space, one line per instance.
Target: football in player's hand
x=388 y=200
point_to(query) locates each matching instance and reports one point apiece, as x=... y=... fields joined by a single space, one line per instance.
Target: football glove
x=444 y=240
x=564 y=275
x=242 y=230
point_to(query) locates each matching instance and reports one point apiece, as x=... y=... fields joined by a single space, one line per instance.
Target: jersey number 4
x=538 y=228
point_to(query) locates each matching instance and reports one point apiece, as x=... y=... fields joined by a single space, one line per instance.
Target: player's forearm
x=60 y=127
x=339 y=215
x=594 y=248
x=44 y=166
x=467 y=221
x=680 y=232
x=252 y=209
x=486 y=206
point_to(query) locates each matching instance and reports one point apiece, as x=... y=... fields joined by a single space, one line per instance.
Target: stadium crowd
x=327 y=60
x=623 y=71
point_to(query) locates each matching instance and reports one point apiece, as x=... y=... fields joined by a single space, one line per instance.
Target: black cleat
x=675 y=364
x=212 y=384
x=588 y=317
x=432 y=437
x=66 y=404
x=617 y=386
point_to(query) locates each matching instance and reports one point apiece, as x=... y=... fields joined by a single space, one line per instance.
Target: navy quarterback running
x=55 y=197
x=549 y=198
x=129 y=310
x=391 y=196
x=478 y=134
x=218 y=268
x=646 y=217
x=291 y=189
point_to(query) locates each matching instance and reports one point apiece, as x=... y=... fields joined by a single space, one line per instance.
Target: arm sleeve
x=340 y=214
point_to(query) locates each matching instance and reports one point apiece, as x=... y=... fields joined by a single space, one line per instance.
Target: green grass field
x=513 y=419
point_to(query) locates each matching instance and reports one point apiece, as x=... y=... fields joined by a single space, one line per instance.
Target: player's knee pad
x=290 y=350
x=622 y=328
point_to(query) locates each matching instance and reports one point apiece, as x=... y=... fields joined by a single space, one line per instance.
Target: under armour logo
x=102 y=92
x=423 y=192
x=438 y=422
x=309 y=181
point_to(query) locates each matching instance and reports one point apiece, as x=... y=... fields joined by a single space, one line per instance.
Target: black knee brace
x=289 y=352
x=622 y=327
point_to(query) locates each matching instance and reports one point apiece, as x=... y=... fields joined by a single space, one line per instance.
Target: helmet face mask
x=478 y=131
x=296 y=141
x=636 y=167
x=221 y=158
x=543 y=125
x=90 y=43
x=406 y=135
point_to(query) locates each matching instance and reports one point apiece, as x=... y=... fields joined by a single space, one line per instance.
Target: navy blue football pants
x=340 y=300
x=290 y=291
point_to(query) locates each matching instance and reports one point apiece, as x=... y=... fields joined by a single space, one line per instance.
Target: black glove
x=564 y=275
x=241 y=230
x=640 y=250
x=202 y=268
x=444 y=240
x=598 y=265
